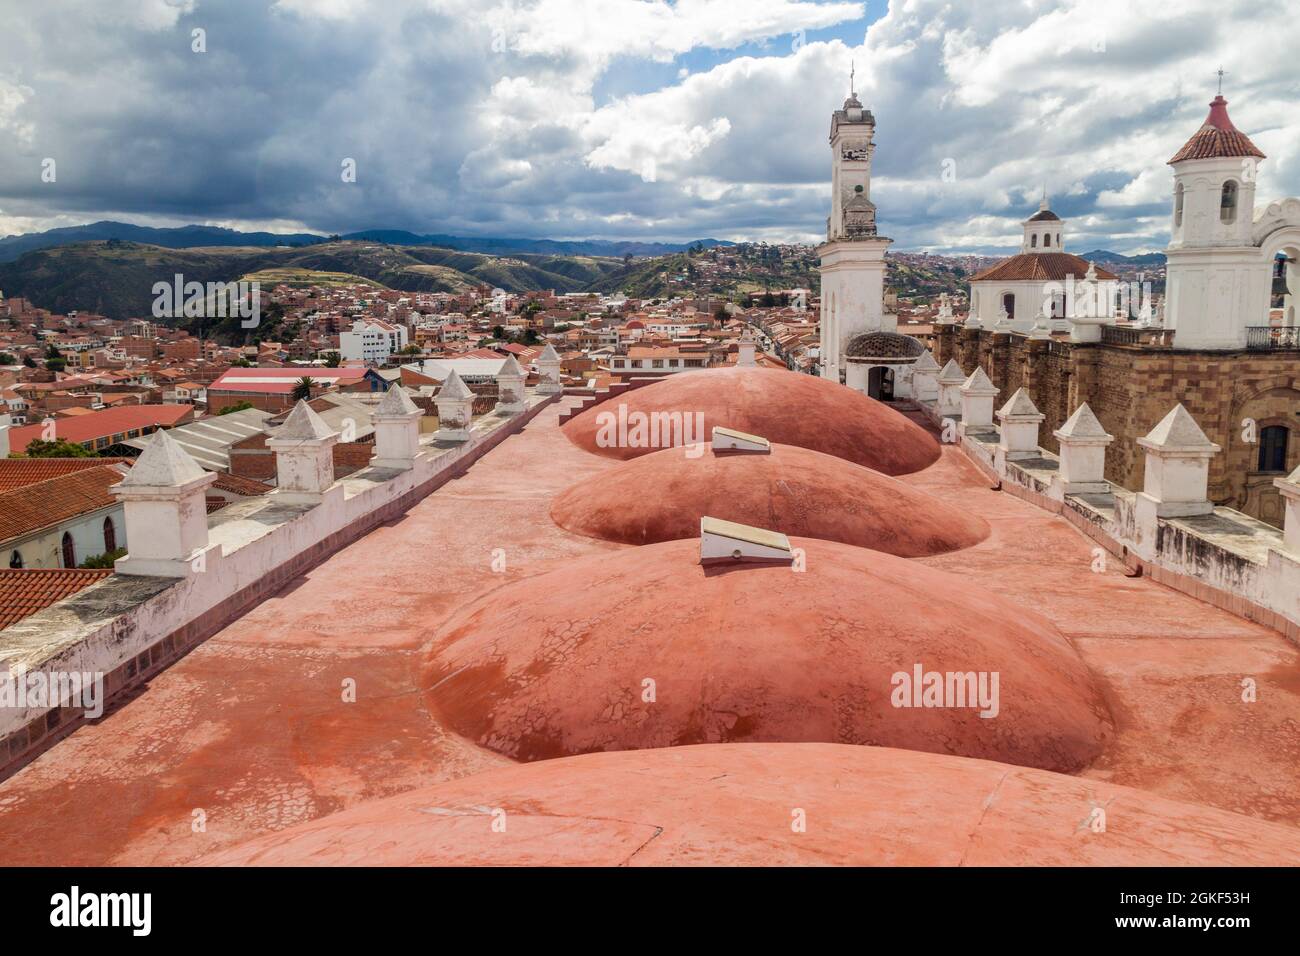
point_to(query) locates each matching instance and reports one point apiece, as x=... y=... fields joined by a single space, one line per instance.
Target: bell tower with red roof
x=1217 y=281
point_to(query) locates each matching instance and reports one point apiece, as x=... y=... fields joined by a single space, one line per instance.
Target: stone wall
x=1130 y=388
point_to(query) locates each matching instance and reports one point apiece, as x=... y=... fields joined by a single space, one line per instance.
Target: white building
x=853 y=256
x=1222 y=252
x=1011 y=295
x=372 y=340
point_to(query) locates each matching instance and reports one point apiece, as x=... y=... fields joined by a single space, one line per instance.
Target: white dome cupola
x=1044 y=231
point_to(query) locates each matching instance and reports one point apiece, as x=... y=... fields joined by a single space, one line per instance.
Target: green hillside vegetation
x=116 y=278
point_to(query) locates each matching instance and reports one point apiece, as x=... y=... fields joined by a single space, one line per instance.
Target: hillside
x=193 y=237
x=116 y=278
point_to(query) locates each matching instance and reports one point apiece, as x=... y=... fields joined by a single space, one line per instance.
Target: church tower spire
x=853 y=256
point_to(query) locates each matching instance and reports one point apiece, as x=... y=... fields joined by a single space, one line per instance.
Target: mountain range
x=190 y=237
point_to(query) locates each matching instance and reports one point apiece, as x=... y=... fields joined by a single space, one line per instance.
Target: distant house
x=57 y=512
x=271 y=389
x=100 y=431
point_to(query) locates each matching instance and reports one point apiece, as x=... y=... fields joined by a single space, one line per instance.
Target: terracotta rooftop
x=249 y=724
x=20 y=472
x=44 y=504
x=26 y=591
x=1040 y=266
x=1217 y=138
x=103 y=424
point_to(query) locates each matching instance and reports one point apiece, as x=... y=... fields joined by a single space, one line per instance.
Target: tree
x=29 y=361
x=8 y=358
x=302 y=389
x=59 y=448
x=531 y=337
x=104 y=560
x=237 y=407
x=332 y=359
x=498 y=332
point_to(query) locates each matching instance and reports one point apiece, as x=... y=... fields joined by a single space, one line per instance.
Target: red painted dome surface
x=662 y=496
x=557 y=664
x=779 y=405
x=736 y=805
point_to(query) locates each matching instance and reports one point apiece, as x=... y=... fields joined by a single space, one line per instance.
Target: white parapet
x=304 y=455
x=165 y=509
x=1289 y=489
x=950 y=381
x=548 y=369
x=1177 y=471
x=510 y=387
x=977 y=394
x=455 y=404
x=1083 y=453
x=925 y=375
x=397 y=430
x=1018 y=422
x=728 y=542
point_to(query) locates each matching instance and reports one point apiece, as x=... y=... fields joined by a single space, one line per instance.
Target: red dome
x=555 y=664
x=779 y=405
x=733 y=805
x=662 y=496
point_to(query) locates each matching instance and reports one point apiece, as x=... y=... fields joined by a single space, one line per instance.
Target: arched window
x=1228 y=202
x=16 y=559
x=1047 y=239
x=1272 y=448
x=1009 y=303
x=69 y=551
x=110 y=535
x=1178 y=205
x=1033 y=241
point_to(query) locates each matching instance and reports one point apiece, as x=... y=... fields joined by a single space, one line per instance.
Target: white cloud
x=496 y=118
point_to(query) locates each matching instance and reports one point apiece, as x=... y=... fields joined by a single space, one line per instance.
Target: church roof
x=1044 y=215
x=1217 y=137
x=1035 y=266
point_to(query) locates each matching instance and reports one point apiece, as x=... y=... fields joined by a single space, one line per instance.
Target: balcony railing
x=1114 y=335
x=1268 y=338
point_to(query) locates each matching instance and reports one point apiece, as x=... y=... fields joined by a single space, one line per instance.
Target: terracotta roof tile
x=21 y=472
x=1217 y=138
x=44 y=504
x=1040 y=266
x=24 y=592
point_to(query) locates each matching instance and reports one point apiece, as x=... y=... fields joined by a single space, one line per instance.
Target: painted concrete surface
x=558 y=665
x=797 y=491
x=775 y=804
x=781 y=406
x=251 y=728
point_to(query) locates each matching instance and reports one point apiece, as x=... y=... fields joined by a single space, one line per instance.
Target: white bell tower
x=853 y=256
x=1216 y=280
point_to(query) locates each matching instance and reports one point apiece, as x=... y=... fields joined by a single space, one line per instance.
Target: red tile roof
x=24 y=592
x=282 y=380
x=103 y=424
x=1217 y=137
x=247 y=487
x=1036 y=266
x=47 y=503
x=21 y=472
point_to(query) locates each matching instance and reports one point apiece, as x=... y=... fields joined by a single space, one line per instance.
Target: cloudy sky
x=628 y=118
